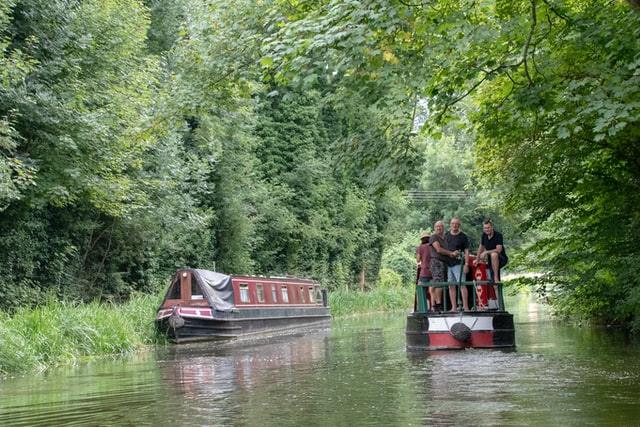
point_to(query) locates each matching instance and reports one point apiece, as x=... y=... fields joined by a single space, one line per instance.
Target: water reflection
x=105 y=392
x=210 y=369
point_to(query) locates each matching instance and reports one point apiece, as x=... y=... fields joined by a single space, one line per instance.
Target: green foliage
x=166 y=20
x=61 y=333
x=75 y=109
x=390 y=279
x=346 y=302
x=399 y=257
x=551 y=93
x=319 y=221
x=563 y=149
x=139 y=137
x=348 y=47
x=84 y=102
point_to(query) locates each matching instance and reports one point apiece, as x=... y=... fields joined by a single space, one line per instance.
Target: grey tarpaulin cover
x=217 y=287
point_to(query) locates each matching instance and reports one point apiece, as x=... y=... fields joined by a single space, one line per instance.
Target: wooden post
x=362 y=279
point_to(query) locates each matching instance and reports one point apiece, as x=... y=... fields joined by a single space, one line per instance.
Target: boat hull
x=457 y=331
x=183 y=325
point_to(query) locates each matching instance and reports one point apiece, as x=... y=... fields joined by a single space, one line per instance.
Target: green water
x=357 y=372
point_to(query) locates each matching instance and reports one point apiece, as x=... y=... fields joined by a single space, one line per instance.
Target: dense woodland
x=280 y=137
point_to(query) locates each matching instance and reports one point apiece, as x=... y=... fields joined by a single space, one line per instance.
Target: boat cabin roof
x=218 y=288
x=274 y=279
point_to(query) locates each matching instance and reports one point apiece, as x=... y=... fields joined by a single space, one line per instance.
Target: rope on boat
x=175 y=320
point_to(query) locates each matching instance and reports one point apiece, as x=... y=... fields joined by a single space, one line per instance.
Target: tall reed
x=61 y=332
x=347 y=302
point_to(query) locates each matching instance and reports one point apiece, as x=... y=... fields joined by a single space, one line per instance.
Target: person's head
x=454 y=225
x=424 y=237
x=438 y=227
x=487 y=227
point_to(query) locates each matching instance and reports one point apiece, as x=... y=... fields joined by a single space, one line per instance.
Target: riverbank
x=343 y=303
x=59 y=333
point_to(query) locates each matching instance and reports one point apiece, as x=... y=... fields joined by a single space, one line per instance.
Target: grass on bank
x=59 y=333
x=345 y=302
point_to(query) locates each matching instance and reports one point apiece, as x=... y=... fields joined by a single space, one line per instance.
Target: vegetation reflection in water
x=357 y=372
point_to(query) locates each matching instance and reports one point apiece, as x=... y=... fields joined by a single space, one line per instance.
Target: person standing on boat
x=423 y=259
x=492 y=250
x=458 y=241
x=440 y=255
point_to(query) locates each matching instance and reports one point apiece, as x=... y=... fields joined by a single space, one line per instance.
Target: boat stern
x=457 y=331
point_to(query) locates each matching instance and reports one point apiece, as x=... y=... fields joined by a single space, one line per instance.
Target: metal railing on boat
x=421 y=293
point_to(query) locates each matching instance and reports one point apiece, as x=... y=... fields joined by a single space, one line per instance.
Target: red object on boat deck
x=485 y=294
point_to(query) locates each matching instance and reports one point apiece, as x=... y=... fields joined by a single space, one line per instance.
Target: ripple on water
x=358 y=372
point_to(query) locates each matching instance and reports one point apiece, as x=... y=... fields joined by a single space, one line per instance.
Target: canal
x=357 y=372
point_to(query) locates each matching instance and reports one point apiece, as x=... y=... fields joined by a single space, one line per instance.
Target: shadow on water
x=357 y=372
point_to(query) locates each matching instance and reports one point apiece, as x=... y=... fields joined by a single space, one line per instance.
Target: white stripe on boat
x=475 y=323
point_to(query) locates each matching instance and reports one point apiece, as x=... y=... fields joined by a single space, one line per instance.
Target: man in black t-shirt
x=492 y=249
x=440 y=256
x=457 y=240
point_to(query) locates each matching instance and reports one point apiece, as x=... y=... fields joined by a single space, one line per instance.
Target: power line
x=437 y=195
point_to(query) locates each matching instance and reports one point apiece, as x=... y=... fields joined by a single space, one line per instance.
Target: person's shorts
x=502 y=259
x=438 y=270
x=454 y=272
x=424 y=280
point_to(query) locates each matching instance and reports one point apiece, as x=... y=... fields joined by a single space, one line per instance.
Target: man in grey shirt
x=457 y=240
x=440 y=256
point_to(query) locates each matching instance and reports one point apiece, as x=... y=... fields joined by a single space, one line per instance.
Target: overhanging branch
x=525 y=53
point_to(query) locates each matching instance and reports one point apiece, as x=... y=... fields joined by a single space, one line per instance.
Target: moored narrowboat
x=207 y=305
x=486 y=325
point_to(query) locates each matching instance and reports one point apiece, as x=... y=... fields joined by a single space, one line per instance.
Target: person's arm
x=479 y=254
x=444 y=251
x=465 y=269
x=498 y=248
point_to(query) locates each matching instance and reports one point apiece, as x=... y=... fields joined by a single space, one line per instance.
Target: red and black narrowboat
x=486 y=325
x=202 y=304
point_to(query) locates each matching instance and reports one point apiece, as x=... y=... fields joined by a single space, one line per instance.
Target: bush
x=380 y=299
x=389 y=279
x=58 y=332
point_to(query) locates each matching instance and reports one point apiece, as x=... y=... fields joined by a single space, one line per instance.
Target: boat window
x=302 y=295
x=312 y=297
x=260 y=292
x=274 y=294
x=196 y=293
x=318 y=294
x=285 y=293
x=174 y=292
x=244 y=292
